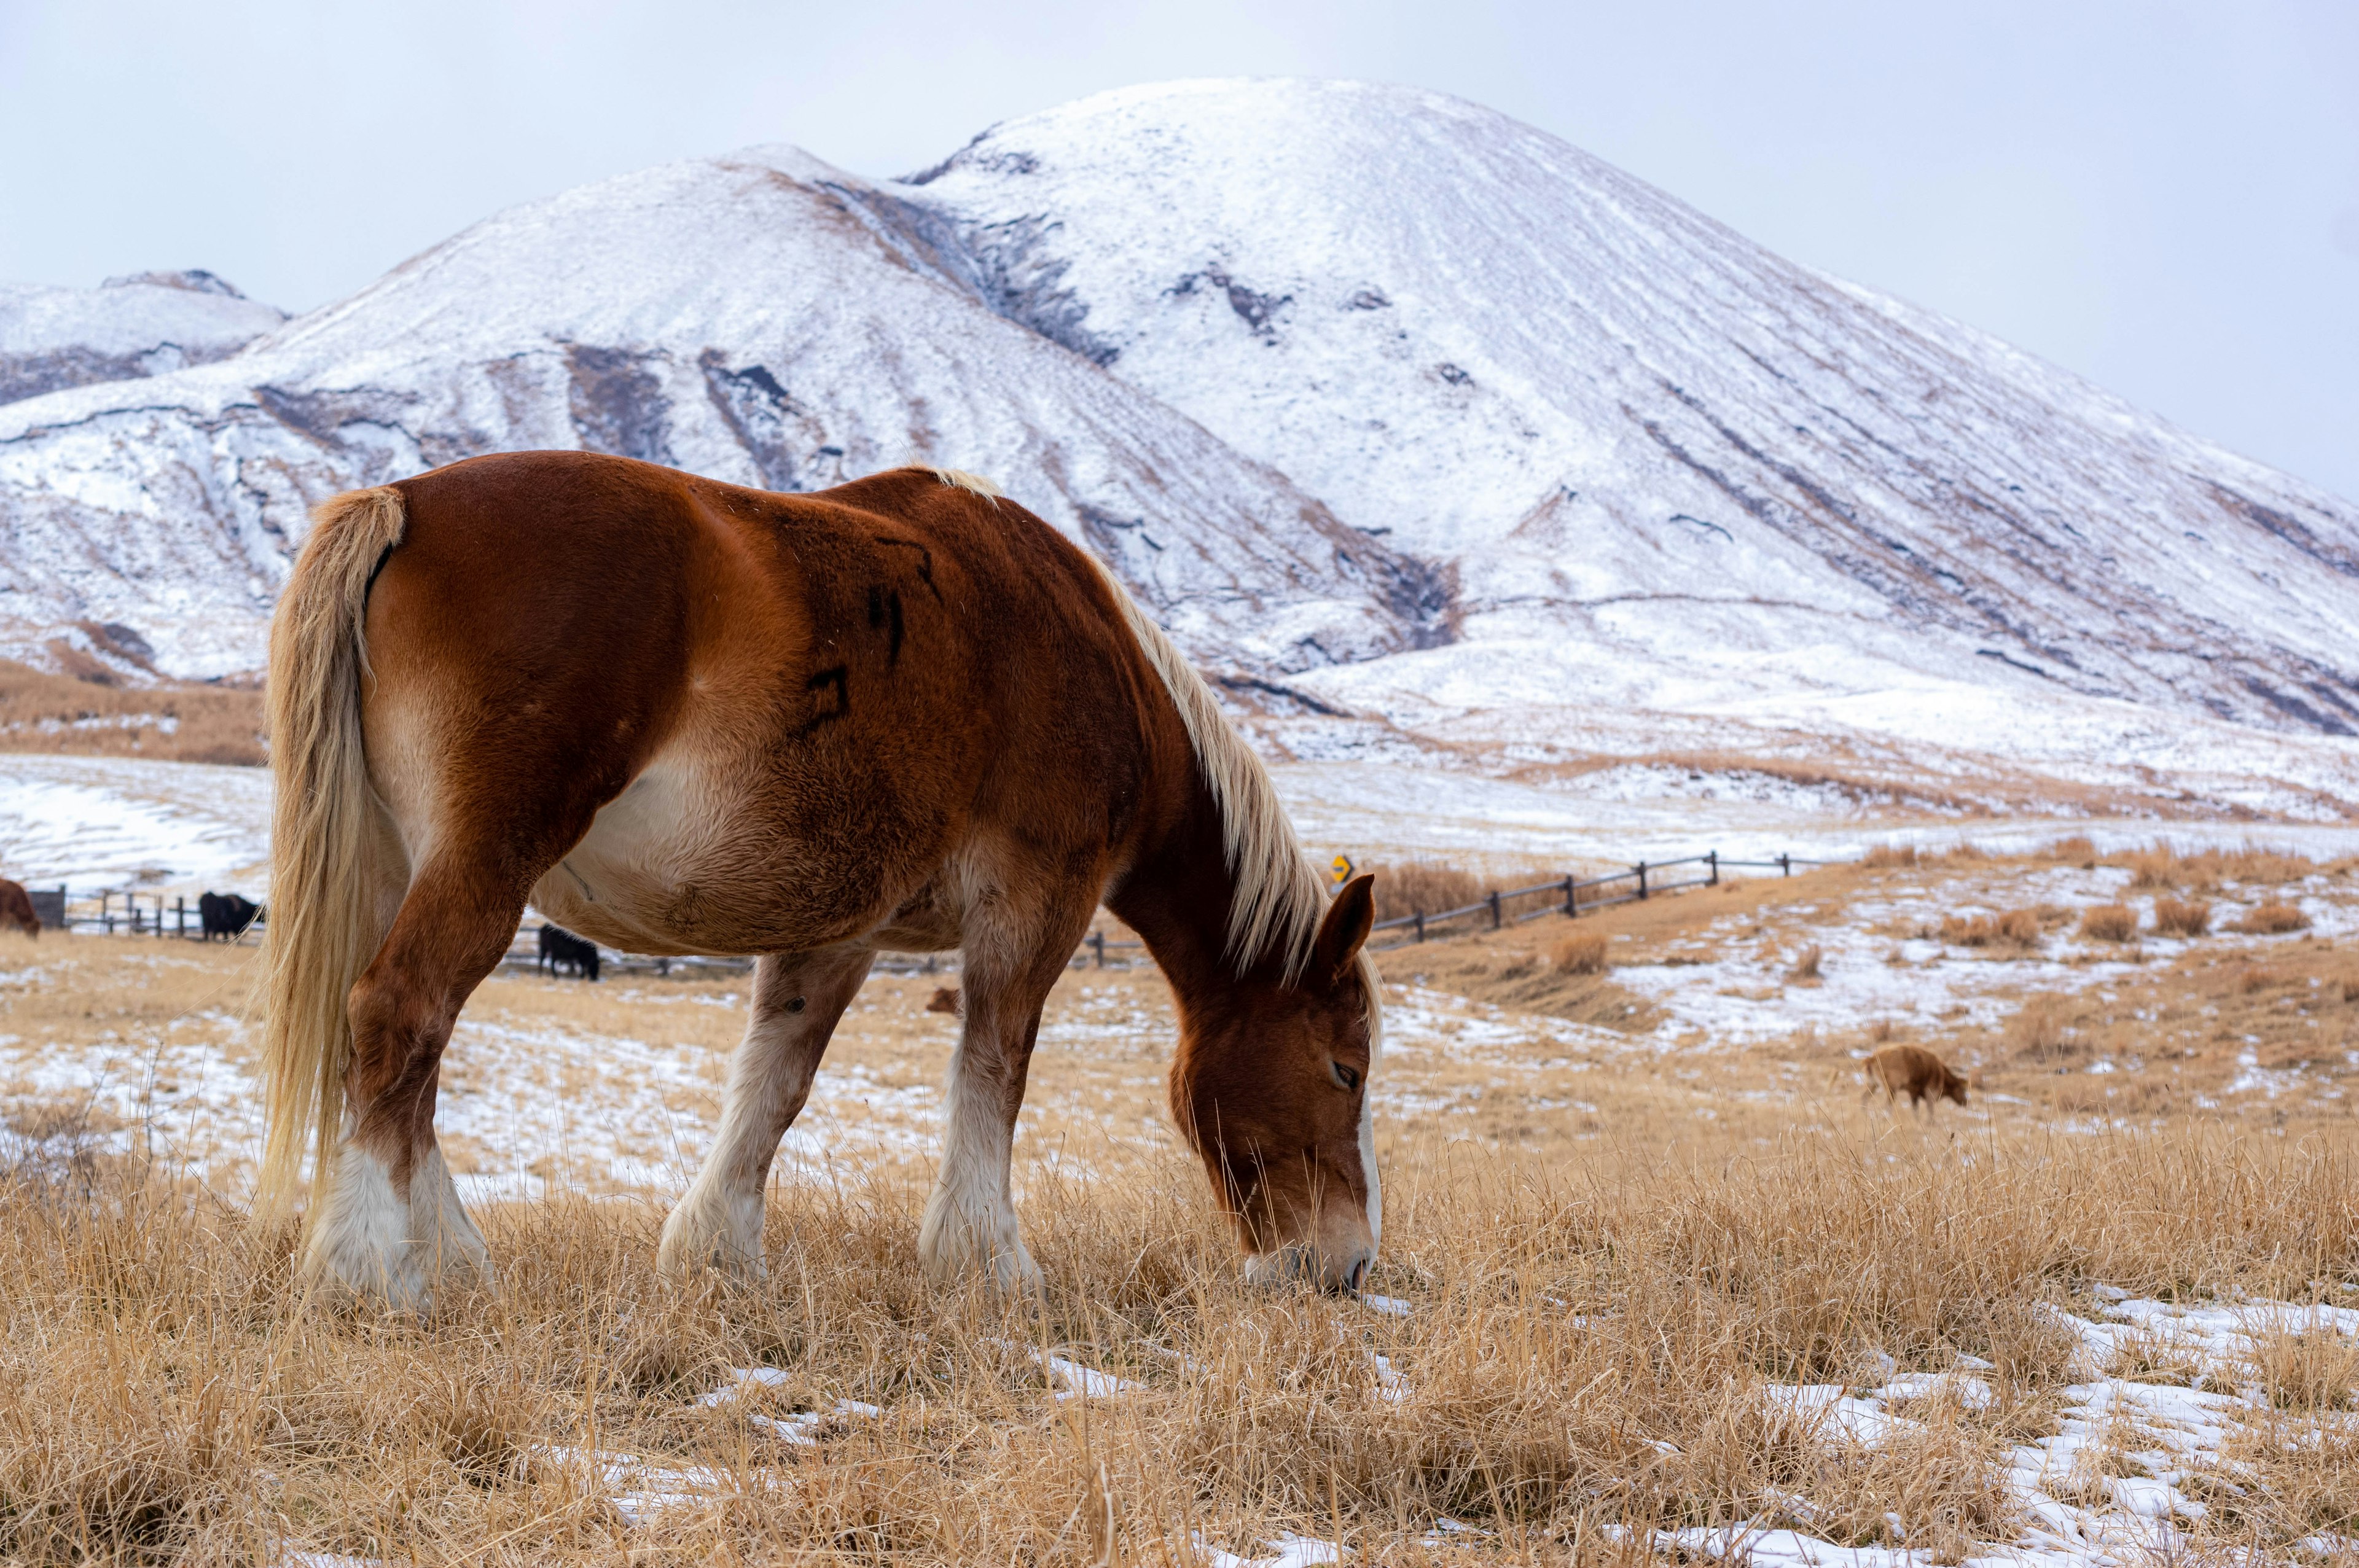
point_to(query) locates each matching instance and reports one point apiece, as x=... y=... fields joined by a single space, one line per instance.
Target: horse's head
x=1271 y=1087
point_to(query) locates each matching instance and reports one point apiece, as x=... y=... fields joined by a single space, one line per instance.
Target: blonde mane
x=959 y=479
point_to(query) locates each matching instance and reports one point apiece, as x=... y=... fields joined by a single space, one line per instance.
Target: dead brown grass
x=2012 y=928
x=2110 y=922
x=1804 y=970
x=2272 y=919
x=1423 y=887
x=175 y=722
x=1883 y=856
x=1580 y=953
x=2316 y=1369
x=2040 y=1030
x=2181 y=917
x=2078 y=851
x=1589 y=1283
x=1587 y=1348
x=2203 y=870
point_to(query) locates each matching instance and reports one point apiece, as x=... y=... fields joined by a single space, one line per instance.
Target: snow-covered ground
x=94 y=823
x=106 y=822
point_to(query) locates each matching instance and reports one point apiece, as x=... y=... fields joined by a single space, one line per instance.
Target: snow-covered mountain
x=734 y=316
x=1652 y=453
x=1395 y=409
x=126 y=328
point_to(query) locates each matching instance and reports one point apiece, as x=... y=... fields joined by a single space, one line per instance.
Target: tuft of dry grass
x=2040 y=1030
x=1804 y=970
x=1423 y=887
x=2078 y=851
x=2181 y=917
x=2012 y=928
x=2307 y=1371
x=175 y=722
x=2272 y=919
x=1580 y=953
x=2110 y=922
x=2162 y=866
x=1880 y=856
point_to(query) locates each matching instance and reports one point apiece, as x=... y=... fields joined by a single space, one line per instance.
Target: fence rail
x=1643 y=880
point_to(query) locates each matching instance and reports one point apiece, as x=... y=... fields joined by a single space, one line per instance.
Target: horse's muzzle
x=1302 y=1265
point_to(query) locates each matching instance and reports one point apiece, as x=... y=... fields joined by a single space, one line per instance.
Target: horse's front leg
x=798 y=998
x=970 y=1226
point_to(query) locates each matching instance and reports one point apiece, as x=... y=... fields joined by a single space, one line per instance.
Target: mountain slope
x=1655 y=453
x=127 y=328
x=1428 y=432
x=732 y=316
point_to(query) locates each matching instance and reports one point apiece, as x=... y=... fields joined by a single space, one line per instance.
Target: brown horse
x=682 y=717
x=16 y=909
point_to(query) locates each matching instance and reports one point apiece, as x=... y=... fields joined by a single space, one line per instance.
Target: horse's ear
x=1346 y=926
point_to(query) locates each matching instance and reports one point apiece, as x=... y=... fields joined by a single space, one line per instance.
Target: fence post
x=180 y=916
x=1642 y=879
x=105 y=914
x=1420 y=925
x=1494 y=909
x=1712 y=859
x=1785 y=865
x=1571 y=899
x=63 y=923
x=1097 y=940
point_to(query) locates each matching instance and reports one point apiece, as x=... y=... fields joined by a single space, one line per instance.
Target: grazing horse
x=225 y=916
x=16 y=909
x=560 y=950
x=683 y=717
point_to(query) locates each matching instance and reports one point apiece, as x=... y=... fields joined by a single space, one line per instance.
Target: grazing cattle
x=945 y=1000
x=561 y=950
x=903 y=715
x=225 y=916
x=1914 y=1071
x=16 y=909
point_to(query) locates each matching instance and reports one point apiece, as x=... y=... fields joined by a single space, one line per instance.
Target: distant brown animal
x=946 y=999
x=16 y=909
x=1914 y=1071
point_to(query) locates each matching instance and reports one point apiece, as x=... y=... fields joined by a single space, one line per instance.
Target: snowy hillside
x=1662 y=461
x=128 y=327
x=1429 y=432
x=731 y=316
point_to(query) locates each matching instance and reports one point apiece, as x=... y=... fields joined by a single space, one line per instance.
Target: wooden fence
x=1572 y=896
x=1568 y=895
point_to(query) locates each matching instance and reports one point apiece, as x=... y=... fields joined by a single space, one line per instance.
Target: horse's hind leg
x=390 y=1221
x=798 y=998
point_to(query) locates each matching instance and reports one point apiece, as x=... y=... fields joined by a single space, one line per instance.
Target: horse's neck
x=1177 y=896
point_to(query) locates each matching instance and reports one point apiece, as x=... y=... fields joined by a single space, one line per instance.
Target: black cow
x=225 y=916
x=561 y=950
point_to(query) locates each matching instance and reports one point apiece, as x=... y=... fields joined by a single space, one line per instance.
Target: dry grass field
x=1654 y=1283
x=93 y=716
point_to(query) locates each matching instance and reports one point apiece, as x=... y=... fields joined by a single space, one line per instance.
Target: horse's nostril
x=1359 y=1273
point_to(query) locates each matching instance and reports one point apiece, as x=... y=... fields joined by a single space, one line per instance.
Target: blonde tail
x=328 y=840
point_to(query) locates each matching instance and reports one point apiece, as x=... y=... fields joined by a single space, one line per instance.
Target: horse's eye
x=1345 y=1077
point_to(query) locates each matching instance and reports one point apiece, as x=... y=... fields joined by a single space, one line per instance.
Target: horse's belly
x=678 y=864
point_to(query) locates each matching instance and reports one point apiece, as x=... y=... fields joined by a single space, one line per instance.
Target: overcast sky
x=2162 y=197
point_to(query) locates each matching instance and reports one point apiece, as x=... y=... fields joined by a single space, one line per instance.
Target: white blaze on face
x=1368 y=1112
